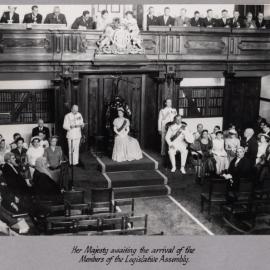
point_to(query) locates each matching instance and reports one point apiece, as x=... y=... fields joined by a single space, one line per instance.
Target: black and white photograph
x=134 y=119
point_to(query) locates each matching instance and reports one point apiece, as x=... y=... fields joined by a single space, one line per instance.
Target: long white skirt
x=126 y=148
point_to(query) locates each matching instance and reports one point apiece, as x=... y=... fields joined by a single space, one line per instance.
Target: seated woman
x=231 y=144
x=203 y=157
x=43 y=183
x=263 y=140
x=13 y=145
x=54 y=156
x=125 y=147
x=34 y=152
x=220 y=154
x=3 y=150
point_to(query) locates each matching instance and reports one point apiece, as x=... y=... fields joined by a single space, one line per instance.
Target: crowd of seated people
x=236 y=21
x=29 y=170
x=88 y=21
x=220 y=152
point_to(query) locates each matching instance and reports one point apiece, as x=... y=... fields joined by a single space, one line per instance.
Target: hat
x=265 y=135
x=184 y=123
x=232 y=131
x=121 y=109
x=35 y=138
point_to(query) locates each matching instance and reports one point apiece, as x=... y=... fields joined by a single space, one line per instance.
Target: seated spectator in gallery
x=224 y=21
x=220 y=155
x=250 y=144
x=263 y=140
x=33 y=153
x=10 y=16
x=3 y=150
x=42 y=128
x=196 y=20
x=56 y=17
x=166 y=19
x=33 y=17
x=209 y=20
x=103 y=21
x=232 y=143
x=249 y=22
x=260 y=22
x=266 y=129
x=83 y=22
x=197 y=134
x=43 y=182
x=14 y=180
x=43 y=142
x=13 y=145
x=151 y=19
x=215 y=130
x=182 y=20
x=236 y=21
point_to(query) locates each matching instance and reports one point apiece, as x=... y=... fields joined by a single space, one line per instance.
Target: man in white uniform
x=178 y=138
x=73 y=123
x=166 y=115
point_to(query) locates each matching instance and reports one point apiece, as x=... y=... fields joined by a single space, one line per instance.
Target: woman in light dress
x=219 y=153
x=232 y=143
x=125 y=147
x=263 y=140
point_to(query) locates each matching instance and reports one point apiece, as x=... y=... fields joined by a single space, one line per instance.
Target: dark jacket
x=89 y=24
x=15 y=182
x=252 y=149
x=151 y=21
x=198 y=22
x=212 y=22
x=28 y=18
x=52 y=19
x=236 y=23
x=262 y=24
x=221 y=23
x=20 y=156
x=6 y=17
x=170 y=21
x=45 y=131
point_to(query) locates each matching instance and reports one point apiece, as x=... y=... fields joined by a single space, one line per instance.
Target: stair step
x=135 y=178
x=140 y=191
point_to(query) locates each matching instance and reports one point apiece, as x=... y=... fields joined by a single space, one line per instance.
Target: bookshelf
x=26 y=106
x=200 y=101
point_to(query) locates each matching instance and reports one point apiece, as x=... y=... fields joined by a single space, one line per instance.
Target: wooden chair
x=124 y=202
x=132 y=226
x=74 y=196
x=215 y=193
x=101 y=200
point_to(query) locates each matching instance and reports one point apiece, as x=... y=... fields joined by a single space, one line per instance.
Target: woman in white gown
x=125 y=147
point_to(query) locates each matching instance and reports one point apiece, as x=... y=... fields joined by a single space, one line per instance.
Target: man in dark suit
x=10 y=16
x=166 y=19
x=197 y=20
x=224 y=21
x=33 y=17
x=15 y=182
x=236 y=21
x=151 y=18
x=83 y=22
x=56 y=17
x=41 y=128
x=250 y=144
x=209 y=20
x=260 y=21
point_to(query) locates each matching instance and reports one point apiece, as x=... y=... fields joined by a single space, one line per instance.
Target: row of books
x=201 y=92
x=18 y=96
x=215 y=102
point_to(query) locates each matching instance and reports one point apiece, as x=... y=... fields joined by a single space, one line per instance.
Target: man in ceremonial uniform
x=33 y=17
x=178 y=138
x=84 y=22
x=73 y=123
x=56 y=17
x=166 y=115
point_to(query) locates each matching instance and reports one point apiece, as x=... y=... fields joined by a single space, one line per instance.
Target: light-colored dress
x=220 y=155
x=231 y=145
x=261 y=151
x=32 y=155
x=125 y=147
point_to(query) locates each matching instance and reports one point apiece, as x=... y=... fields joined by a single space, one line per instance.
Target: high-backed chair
x=102 y=200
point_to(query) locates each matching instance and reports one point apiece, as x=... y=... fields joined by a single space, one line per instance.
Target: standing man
x=151 y=18
x=41 y=128
x=56 y=17
x=197 y=21
x=33 y=17
x=166 y=115
x=10 y=16
x=182 y=20
x=166 y=19
x=73 y=123
x=260 y=21
x=224 y=21
x=178 y=138
x=83 y=22
x=209 y=20
x=236 y=21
